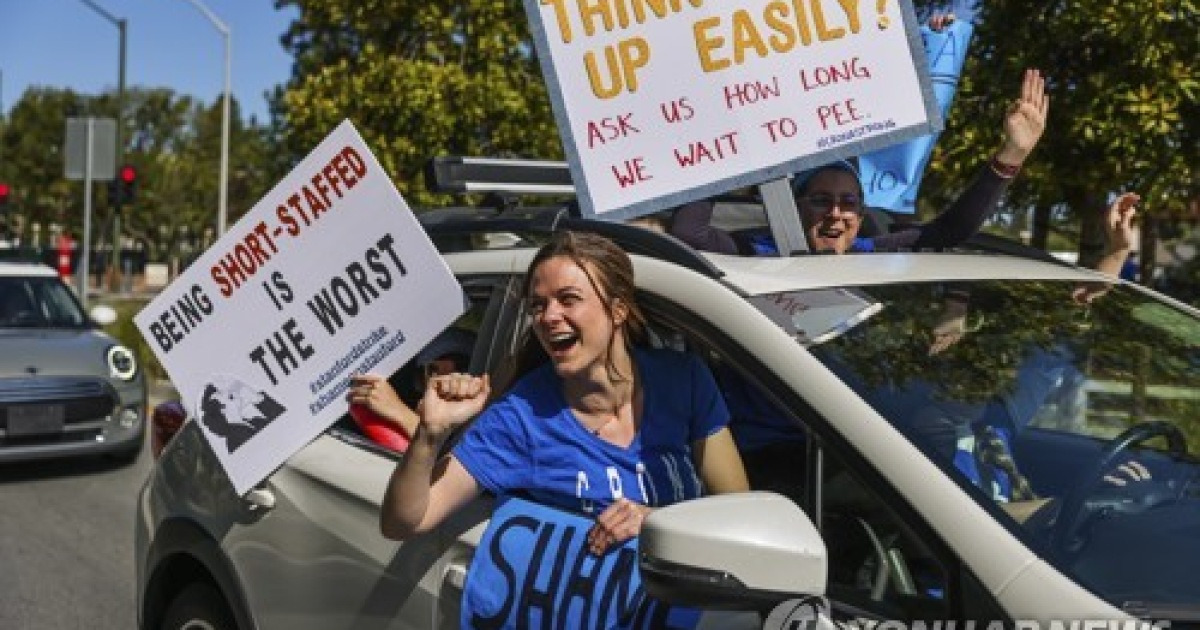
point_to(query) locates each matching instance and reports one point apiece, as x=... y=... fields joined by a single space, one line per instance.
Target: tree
x=172 y=140
x=427 y=79
x=1125 y=108
x=177 y=144
x=33 y=161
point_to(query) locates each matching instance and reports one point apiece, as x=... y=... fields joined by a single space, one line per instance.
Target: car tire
x=199 y=606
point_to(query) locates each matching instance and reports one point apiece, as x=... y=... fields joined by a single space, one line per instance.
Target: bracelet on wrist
x=1007 y=171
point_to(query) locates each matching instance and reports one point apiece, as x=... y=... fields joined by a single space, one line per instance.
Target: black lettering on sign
x=343 y=298
x=510 y=576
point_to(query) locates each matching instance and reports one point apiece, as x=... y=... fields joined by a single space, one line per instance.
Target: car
x=876 y=459
x=66 y=387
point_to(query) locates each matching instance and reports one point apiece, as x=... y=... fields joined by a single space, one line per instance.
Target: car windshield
x=37 y=302
x=1075 y=423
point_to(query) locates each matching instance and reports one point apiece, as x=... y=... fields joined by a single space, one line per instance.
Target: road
x=66 y=543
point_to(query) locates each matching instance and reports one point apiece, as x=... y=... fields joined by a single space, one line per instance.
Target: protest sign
x=533 y=569
x=329 y=274
x=891 y=177
x=661 y=102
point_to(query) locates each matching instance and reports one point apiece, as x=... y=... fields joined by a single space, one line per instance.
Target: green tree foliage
x=172 y=140
x=1124 y=114
x=418 y=80
x=32 y=160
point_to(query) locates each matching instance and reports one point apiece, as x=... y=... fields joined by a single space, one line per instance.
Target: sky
x=169 y=43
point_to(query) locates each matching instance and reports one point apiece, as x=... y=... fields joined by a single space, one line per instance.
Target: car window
x=878 y=566
x=477 y=326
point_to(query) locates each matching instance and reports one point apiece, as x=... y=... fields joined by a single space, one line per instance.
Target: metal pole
x=114 y=264
x=120 y=147
x=222 y=202
x=86 y=245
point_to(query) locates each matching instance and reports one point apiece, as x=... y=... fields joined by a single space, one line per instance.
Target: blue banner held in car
x=892 y=176
x=533 y=569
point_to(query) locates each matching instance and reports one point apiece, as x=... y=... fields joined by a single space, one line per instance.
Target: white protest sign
x=329 y=274
x=661 y=102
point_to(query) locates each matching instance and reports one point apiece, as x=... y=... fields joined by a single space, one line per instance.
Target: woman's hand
x=1118 y=223
x=450 y=400
x=375 y=393
x=1025 y=120
x=940 y=21
x=619 y=522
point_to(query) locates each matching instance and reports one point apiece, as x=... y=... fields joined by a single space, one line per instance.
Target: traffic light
x=4 y=192
x=128 y=182
x=122 y=190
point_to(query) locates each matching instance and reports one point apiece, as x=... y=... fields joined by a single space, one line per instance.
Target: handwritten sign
x=532 y=569
x=329 y=274
x=661 y=102
x=892 y=177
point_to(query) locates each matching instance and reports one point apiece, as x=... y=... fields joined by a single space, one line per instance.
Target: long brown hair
x=610 y=272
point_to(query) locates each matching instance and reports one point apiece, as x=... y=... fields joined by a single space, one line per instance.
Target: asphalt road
x=66 y=543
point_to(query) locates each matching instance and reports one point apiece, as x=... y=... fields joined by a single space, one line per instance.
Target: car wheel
x=198 y=607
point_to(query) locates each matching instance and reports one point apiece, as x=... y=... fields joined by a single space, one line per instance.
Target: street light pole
x=120 y=23
x=223 y=195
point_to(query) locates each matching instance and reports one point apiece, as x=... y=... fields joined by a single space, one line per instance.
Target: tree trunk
x=1041 y=225
x=1087 y=205
x=1148 y=250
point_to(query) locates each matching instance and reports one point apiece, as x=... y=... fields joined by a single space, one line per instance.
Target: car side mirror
x=103 y=314
x=744 y=551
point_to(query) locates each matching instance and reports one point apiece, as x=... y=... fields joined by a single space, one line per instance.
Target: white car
x=873 y=395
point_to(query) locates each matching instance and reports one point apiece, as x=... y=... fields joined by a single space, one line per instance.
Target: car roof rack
x=465 y=175
x=451 y=229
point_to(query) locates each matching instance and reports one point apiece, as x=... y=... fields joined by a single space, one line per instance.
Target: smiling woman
x=594 y=425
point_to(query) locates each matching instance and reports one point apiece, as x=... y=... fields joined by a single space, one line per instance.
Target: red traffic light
x=128 y=174
x=4 y=190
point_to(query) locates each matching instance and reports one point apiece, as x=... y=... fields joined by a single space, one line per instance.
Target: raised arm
x=692 y=225
x=424 y=489
x=1024 y=123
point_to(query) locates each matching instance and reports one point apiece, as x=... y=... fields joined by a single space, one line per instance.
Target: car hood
x=53 y=353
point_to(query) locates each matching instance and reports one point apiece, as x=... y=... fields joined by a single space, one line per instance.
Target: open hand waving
x=1025 y=120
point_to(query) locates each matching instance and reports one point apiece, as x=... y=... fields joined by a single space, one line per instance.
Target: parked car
x=874 y=449
x=66 y=387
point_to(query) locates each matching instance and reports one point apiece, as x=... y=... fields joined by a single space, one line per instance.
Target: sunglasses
x=825 y=203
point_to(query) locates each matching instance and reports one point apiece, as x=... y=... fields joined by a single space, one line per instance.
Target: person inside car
x=594 y=424
x=382 y=414
x=832 y=212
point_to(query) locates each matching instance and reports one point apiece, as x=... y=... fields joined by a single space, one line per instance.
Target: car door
x=316 y=558
x=884 y=561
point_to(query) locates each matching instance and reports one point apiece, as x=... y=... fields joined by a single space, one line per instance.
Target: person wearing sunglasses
x=830 y=198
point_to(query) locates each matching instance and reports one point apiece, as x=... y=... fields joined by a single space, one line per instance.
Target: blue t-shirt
x=529 y=442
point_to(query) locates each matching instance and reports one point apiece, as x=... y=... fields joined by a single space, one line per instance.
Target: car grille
x=88 y=403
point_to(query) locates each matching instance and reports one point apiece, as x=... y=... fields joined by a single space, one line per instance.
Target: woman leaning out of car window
x=592 y=403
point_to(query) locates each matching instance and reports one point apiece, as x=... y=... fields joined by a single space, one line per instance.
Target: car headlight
x=121 y=363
